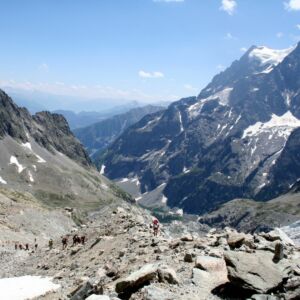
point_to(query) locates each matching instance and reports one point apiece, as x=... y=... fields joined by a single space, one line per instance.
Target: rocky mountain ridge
x=100 y=135
x=232 y=141
x=41 y=156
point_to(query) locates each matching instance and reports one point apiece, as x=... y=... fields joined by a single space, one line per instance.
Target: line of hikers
x=76 y=241
x=20 y=246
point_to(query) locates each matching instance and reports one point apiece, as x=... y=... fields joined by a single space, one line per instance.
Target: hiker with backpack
x=155 y=227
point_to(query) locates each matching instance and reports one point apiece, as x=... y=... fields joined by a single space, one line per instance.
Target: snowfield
x=280 y=125
x=26 y=287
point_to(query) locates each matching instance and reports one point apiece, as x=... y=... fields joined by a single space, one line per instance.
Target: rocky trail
x=121 y=259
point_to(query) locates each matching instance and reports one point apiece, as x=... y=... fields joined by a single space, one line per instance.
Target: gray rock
x=187 y=238
x=156 y=293
x=255 y=272
x=137 y=279
x=235 y=240
x=207 y=281
x=278 y=235
x=210 y=264
x=82 y=291
x=264 y=297
x=292 y=288
x=167 y=274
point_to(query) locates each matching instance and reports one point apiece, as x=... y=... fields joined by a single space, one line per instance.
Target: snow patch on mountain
x=180 y=121
x=136 y=181
x=287 y=95
x=151 y=122
x=269 y=57
x=280 y=125
x=14 y=161
x=222 y=97
x=27 y=145
x=30 y=176
x=26 y=287
x=164 y=199
x=40 y=159
x=102 y=171
x=2 y=180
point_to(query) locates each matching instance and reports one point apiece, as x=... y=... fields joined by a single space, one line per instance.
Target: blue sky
x=143 y=50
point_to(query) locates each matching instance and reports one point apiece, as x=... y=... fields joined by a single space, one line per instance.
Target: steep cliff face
x=50 y=131
x=39 y=155
x=100 y=135
x=229 y=142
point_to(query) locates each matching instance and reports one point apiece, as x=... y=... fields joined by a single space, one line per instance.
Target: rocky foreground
x=122 y=260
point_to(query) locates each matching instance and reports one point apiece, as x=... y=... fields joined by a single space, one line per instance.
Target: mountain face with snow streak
x=231 y=141
x=39 y=155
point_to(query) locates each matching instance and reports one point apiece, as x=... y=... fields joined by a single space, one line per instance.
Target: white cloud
x=229 y=6
x=229 y=36
x=292 y=5
x=43 y=67
x=244 y=49
x=298 y=26
x=189 y=87
x=220 y=67
x=86 y=91
x=157 y=74
x=279 y=34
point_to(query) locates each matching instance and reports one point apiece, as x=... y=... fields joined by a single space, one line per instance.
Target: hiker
x=16 y=246
x=26 y=247
x=50 y=244
x=83 y=240
x=64 y=242
x=155 y=227
x=35 y=244
x=74 y=240
x=20 y=246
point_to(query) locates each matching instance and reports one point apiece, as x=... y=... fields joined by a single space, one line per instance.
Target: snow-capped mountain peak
x=269 y=57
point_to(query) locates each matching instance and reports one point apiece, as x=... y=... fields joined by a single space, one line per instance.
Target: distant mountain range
x=101 y=134
x=240 y=138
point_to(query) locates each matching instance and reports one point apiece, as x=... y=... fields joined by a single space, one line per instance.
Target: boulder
x=187 y=238
x=292 y=289
x=256 y=271
x=206 y=282
x=210 y=264
x=278 y=235
x=264 y=297
x=167 y=274
x=235 y=239
x=82 y=291
x=156 y=293
x=137 y=279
